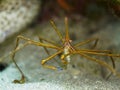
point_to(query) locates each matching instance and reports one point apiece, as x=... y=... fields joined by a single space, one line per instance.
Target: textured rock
x=16 y=15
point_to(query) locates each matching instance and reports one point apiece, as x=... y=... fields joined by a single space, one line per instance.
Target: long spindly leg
x=57 y=31
x=48 y=41
x=99 y=52
x=17 y=48
x=88 y=41
x=113 y=64
x=46 y=50
x=104 y=51
x=101 y=63
x=22 y=80
x=95 y=60
x=66 y=29
x=37 y=43
x=41 y=40
x=43 y=62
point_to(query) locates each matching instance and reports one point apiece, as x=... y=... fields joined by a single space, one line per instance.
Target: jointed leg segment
x=47 y=59
x=98 y=51
x=17 y=48
x=95 y=60
x=46 y=50
x=101 y=63
x=87 y=41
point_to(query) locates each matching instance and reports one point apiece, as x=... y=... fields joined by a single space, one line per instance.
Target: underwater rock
x=16 y=15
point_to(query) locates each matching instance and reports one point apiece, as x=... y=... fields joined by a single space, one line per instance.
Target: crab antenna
x=56 y=29
x=66 y=28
